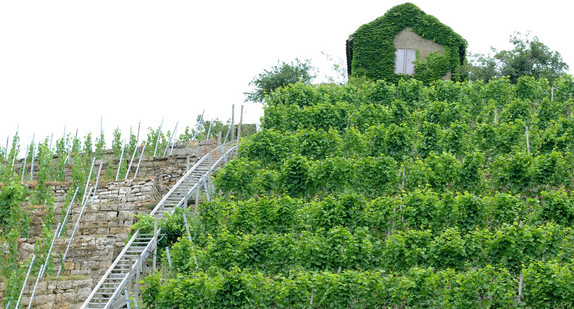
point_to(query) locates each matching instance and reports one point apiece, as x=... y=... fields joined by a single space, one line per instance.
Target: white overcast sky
x=71 y=63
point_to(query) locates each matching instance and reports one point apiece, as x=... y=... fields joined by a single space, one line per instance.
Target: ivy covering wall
x=371 y=50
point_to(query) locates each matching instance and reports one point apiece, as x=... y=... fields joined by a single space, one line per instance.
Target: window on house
x=405 y=61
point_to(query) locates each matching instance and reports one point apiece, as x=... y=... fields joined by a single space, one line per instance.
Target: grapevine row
x=540 y=285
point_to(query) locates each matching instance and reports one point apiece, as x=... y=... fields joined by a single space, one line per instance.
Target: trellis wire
x=240 y=123
x=88 y=181
x=68 y=156
x=222 y=153
x=97 y=181
x=209 y=130
x=15 y=154
x=50 y=250
x=174 y=130
x=157 y=137
x=35 y=286
x=232 y=123
x=25 y=161
x=33 y=150
x=120 y=162
x=51 y=138
x=206 y=189
x=170 y=139
x=198 y=125
x=68 y=212
x=227 y=134
x=73 y=233
x=140 y=161
x=25 y=281
x=133 y=156
x=127 y=298
x=168 y=256
x=172 y=144
x=186 y=226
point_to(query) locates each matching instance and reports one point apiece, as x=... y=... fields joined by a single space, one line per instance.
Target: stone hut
x=405 y=42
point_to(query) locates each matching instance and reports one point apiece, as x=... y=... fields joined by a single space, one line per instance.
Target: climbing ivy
x=373 y=51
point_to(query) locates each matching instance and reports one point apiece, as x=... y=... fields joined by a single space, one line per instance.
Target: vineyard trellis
x=43 y=162
x=129 y=264
x=373 y=195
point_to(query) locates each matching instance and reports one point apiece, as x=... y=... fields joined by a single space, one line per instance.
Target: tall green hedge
x=373 y=51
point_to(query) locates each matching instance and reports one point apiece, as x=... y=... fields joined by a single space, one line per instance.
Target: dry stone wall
x=103 y=228
x=58 y=293
x=182 y=155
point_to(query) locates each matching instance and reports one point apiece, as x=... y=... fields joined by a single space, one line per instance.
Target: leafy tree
x=529 y=57
x=564 y=87
x=480 y=67
x=278 y=76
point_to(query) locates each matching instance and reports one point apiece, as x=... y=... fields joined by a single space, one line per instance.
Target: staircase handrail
x=153 y=242
x=110 y=269
x=148 y=249
x=134 y=268
x=184 y=177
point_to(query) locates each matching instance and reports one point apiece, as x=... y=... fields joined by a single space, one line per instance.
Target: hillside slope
x=379 y=195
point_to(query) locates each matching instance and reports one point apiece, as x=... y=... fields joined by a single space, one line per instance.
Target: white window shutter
x=405 y=61
x=399 y=61
x=411 y=56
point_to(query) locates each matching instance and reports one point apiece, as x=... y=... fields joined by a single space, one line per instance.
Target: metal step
x=111 y=283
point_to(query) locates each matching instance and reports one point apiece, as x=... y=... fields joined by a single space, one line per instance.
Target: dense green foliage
x=373 y=50
x=378 y=195
x=530 y=57
x=26 y=183
x=279 y=76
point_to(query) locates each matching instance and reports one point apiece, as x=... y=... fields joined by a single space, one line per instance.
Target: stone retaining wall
x=58 y=293
x=103 y=229
x=183 y=154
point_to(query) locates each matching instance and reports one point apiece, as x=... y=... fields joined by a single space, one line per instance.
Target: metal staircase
x=113 y=290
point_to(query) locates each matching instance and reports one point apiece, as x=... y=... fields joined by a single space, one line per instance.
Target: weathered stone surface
x=103 y=228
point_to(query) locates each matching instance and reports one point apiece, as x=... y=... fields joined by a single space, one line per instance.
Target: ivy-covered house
x=406 y=41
